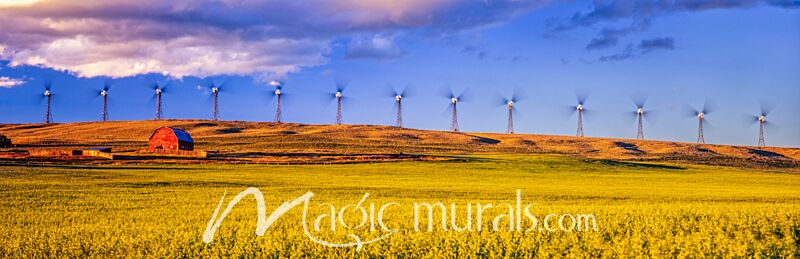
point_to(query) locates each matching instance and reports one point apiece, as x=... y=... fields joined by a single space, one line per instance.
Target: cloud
x=478 y=51
x=609 y=36
x=657 y=43
x=640 y=13
x=644 y=47
x=375 y=47
x=614 y=10
x=7 y=82
x=210 y=37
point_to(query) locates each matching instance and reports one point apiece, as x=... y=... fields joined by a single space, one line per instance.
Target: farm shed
x=168 y=138
x=103 y=152
x=5 y=141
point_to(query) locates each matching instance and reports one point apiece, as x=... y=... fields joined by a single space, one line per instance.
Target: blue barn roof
x=182 y=135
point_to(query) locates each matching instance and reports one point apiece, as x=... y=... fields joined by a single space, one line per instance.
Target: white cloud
x=7 y=82
x=209 y=37
x=375 y=47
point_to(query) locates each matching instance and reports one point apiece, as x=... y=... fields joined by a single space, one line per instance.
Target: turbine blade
x=465 y=96
x=341 y=84
x=391 y=91
x=568 y=110
x=500 y=100
x=766 y=107
x=771 y=126
x=166 y=87
x=107 y=84
x=707 y=124
x=639 y=100
x=651 y=116
x=709 y=106
x=749 y=120
x=226 y=86
x=587 y=113
x=581 y=97
x=689 y=111
x=407 y=91
x=268 y=97
x=518 y=95
x=632 y=115
x=446 y=92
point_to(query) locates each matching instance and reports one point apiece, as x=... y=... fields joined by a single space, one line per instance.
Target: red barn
x=168 y=138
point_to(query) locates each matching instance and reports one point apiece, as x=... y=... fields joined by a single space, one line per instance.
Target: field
x=649 y=198
x=140 y=211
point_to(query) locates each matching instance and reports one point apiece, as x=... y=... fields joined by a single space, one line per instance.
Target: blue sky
x=678 y=53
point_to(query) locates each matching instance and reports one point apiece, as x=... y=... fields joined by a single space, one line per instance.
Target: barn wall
x=167 y=140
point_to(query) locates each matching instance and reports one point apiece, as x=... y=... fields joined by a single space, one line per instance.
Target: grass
x=642 y=209
x=231 y=141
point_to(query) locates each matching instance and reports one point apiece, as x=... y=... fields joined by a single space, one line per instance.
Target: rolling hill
x=233 y=141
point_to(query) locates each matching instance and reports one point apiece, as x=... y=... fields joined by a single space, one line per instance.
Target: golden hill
x=273 y=142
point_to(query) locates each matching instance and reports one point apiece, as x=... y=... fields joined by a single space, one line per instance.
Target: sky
x=734 y=55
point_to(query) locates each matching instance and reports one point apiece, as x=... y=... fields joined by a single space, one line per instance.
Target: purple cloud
x=375 y=47
x=205 y=37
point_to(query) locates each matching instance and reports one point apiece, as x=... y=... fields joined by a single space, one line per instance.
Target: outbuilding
x=169 y=138
x=5 y=141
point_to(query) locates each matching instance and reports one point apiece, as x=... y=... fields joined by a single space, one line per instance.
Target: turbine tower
x=48 y=115
x=215 y=112
x=510 y=103
x=215 y=90
x=454 y=100
x=510 y=126
x=339 y=97
x=399 y=119
x=454 y=122
x=278 y=87
x=104 y=94
x=708 y=107
x=158 y=92
x=580 y=108
x=761 y=119
x=700 y=136
x=399 y=96
x=580 y=120
x=640 y=114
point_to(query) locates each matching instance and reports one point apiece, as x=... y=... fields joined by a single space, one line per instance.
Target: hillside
x=272 y=142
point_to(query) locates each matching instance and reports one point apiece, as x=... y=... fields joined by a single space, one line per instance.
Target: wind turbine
x=761 y=119
x=215 y=89
x=339 y=97
x=454 y=100
x=640 y=114
x=158 y=91
x=510 y=103
x=580 y=108
x=104 y=92
x=48 y=94
x=399 y=95
x=708 y=107
x=278 y=94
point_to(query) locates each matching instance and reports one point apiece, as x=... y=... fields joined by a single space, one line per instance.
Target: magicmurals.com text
x=427 y=217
